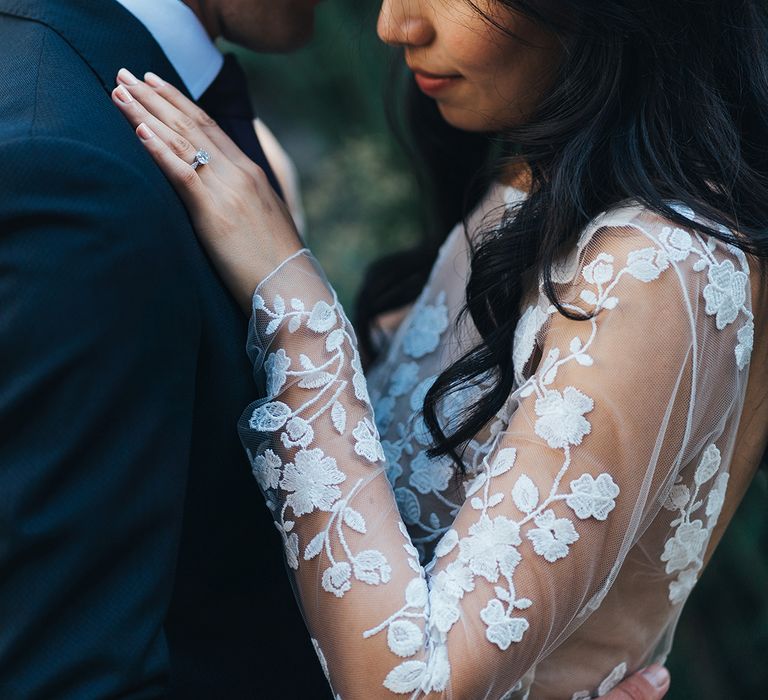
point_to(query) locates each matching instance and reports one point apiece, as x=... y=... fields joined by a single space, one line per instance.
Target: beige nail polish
x=154 y=80
x=145 y=132
x=123 y=95
x=125 y=76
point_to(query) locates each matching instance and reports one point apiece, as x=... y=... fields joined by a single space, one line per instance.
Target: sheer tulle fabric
x=562 y=561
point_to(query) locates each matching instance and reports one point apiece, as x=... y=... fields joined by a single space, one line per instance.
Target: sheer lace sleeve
x=596 y=438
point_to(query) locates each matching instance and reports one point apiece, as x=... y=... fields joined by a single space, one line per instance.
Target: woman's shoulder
x=651 y=242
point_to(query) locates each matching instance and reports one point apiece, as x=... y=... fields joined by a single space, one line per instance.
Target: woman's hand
x=245 y=227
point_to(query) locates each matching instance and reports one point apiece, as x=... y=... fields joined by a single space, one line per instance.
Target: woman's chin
x=465 y=119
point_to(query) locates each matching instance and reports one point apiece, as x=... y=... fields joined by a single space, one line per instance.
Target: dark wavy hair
x=652 y=101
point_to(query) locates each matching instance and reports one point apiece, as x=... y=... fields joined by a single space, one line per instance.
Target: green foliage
x=325 y=105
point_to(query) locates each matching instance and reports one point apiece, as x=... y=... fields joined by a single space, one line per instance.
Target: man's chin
x=287 y=38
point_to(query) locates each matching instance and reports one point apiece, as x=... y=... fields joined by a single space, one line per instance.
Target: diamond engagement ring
x=201 y=158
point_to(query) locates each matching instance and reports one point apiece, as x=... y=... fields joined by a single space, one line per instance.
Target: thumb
x=651 y=683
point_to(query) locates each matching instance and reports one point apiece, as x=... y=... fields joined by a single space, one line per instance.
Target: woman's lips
x=432 y=84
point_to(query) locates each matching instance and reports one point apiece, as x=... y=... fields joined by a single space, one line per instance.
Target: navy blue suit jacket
x=137 y=559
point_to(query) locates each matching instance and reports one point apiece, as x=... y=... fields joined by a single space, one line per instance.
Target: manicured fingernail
x=123 y=95
x=144 y=132
x=154 y=80
x=657 y=676
x=125 y=76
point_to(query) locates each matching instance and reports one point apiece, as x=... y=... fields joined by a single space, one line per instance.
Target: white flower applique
x=425 y=327
x=684 y=551
x=607 y=685
x=311 y=480
x=726 y=292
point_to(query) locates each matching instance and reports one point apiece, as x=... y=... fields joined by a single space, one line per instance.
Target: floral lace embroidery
x=311 y=481
x=608 y=684
x=490 y=549
x=725 y=294
x=684 y=551
x=410 y=440
x=425 y=328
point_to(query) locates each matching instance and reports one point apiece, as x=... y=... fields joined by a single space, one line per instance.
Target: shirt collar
x=183 y=39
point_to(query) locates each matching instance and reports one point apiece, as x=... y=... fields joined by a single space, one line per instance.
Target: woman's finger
x=181 y=174
x=207 y=125
x=137 y=114
x=651 y=683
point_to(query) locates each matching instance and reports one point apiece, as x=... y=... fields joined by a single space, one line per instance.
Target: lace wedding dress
x=562 y=560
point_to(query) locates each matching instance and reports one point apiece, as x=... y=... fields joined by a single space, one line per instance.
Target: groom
x=136 y=558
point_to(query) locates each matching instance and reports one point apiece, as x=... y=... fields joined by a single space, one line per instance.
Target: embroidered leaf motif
x=406 y=677
x=339 y=417
x=525 y=494
x=476 y=484
x=447 y=544
x=708 y=466
x=612 y=680
x=306 y=363
x=408 y=505
x=589 y=296
x=354 y=520
x=315 y=546
x=585 y=360
x=504 y=461
x=494 y=500
x=416 y=593
x=316 y=380
x=294 y=324
x=334 y=340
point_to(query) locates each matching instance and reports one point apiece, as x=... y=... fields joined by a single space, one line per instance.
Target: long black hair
x=653 y=101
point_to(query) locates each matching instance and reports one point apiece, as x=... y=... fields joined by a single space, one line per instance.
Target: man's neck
x=206 y=14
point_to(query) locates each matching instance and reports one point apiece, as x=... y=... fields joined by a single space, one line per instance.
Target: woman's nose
x=404 y=23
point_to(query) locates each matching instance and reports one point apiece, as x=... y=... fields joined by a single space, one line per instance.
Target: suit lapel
x=102 y=32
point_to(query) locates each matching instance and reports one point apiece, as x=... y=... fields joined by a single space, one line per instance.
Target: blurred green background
x=325 y=104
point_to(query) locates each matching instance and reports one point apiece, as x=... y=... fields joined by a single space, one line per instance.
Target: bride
x=557 y=425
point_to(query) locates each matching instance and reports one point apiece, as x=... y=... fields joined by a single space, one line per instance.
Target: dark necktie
x=228 y=102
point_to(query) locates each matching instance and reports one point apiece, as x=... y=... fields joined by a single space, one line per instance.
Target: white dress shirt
x=182 y=38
